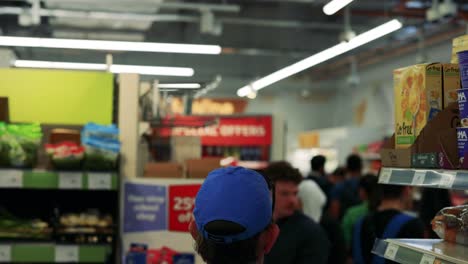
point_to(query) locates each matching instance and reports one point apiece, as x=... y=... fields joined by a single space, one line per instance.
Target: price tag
x=70 y=180
x=66 y=254
x=427 y=259
x=447 y=180
x=99 y=181
x=385 y=175
x=418 y=178
x=391 y=251
x=11 y=178
x=5 y=253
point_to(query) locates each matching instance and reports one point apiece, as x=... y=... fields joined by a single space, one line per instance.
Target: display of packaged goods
x=418 y=98
x=92 y=130
x=451 y=83
x=65 y=155
x=19 y=144
x=463 y=63
x=463 y=106
x=451 y=224
x=139 y=253
x=462 y=139
x=101 y=147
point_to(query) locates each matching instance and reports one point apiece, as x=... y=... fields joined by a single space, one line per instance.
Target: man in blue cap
x=233 y=217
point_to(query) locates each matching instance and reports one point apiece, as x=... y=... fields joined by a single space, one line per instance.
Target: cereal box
x=418 y=98
x=450 y=83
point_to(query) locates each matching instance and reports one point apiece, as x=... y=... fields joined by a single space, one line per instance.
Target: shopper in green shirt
x=368 y=192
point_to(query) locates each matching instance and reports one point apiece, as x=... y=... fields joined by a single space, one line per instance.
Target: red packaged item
x=164 y=255
x=65 y=155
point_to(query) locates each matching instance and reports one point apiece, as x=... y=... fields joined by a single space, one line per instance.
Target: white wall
x=298 y=115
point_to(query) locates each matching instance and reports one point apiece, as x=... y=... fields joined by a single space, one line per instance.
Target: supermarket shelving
x=52 y=253
x=43 y=179
x=445 y=179
x=423 y=251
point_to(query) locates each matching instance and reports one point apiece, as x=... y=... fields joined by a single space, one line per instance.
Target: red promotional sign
x=231 y=131
x=181 y=205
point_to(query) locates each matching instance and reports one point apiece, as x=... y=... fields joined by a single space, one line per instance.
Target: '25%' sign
x=181 y=205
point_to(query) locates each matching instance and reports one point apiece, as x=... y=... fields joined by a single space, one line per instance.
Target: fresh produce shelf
x=444 y=179
x=423 y=251
x=42 y=179
x=53 y=253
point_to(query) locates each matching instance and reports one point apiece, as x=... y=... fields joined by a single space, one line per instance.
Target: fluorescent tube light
x=322 y=56
x=151 y=70
x=168 y=90
x=114 y=68
x=333 y=6
x=108 y=45
x=59 y=65
x=180 y=85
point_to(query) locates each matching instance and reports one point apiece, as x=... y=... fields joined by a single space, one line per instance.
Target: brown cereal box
x=450 y=83
x=418 y=98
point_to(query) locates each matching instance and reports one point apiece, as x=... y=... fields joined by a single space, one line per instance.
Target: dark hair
x=339 y=172
x=369 y=183
x=242 y=252
x=392 y=191
x=239 y=252
x=318 y=162
x=282 y=171
x=354 y=163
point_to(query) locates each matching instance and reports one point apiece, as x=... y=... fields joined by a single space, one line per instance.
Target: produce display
x=89 y=227
x=65 y=155
x=102 y=146
x=451 y=224
x=19 y=144
x=12 y=227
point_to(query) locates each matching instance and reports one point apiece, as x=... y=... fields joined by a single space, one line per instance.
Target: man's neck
x=354 y=174
x=388 y=204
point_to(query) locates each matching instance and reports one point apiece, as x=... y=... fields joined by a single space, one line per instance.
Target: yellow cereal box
x=418 y=98
x=450 y=83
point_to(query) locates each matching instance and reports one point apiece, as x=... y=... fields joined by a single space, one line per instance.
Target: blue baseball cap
x=236 y=195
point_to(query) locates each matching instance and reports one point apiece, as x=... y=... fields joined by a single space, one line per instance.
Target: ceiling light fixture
x=107 y=45
x=168 y=90
x=322 y=56
x=180 y=85
x=114 y=68
x=334 y=6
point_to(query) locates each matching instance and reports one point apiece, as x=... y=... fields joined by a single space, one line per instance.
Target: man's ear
x=193 y=230
x=269 y=237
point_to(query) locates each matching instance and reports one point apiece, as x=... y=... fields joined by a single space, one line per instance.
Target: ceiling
x=258 y=37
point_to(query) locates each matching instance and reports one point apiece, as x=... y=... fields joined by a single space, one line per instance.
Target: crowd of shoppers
x=319 y=218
